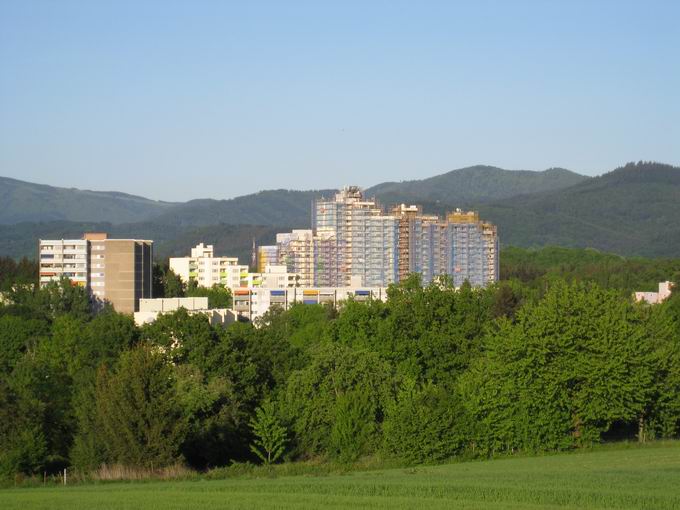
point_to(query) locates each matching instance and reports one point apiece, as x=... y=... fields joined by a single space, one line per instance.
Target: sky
x=176 y=100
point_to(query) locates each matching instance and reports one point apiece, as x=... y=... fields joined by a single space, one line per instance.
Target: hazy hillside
x=34 y=202
x=474 y=185
x=272 y=207
x=234 y=240
x=25 y=201
x=634 y=210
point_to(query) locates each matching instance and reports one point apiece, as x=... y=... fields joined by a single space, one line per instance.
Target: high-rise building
x=471 y=248
x=267 y=256
x=364 y=239
x=295 y=250
x=353 y=242
x=118 y=271
x=460 y=245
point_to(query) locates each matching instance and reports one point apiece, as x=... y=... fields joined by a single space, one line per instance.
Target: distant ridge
x=26 y=201
x=633 y=210
x=475 y=184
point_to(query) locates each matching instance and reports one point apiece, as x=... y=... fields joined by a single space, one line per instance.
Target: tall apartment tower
x=295 y=250
x=118 y=271
x=460 y=245
x=353 y=242
x=471 y=249
x=267 y=256
x=357 y=241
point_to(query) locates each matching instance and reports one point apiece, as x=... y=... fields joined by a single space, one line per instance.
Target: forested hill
x=26 y=201
x=20 y=240
x=272 y=207
x=634 y=210
x=474 y=185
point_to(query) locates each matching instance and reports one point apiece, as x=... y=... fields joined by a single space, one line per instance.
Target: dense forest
x=542 y=361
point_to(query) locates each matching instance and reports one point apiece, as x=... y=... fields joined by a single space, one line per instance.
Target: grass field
x=644 y=477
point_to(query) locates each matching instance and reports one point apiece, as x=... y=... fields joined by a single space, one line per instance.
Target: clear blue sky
x=184 y=99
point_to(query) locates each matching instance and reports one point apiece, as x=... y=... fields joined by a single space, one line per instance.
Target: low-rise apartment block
x=150 y=309
x=207 y=270
x=252 y=303
x=654 y=298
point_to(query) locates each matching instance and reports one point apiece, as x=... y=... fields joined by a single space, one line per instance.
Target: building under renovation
x=354 y=242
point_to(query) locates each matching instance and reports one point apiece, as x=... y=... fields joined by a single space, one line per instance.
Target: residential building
x=273 y=277
x=207 y=270
x=118 y=271
x=354 y=242
x=295 y=250
x=654 y=298
x=267 y=256
x=150 y=309
x=252 y=303
x=355 y=239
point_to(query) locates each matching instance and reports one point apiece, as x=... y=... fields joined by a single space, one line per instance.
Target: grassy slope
x=644 y=477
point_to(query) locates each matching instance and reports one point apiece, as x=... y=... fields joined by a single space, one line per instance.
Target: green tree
x=270 y=434
x=570 y=368
x=138 y=409
x=354 y=426
x=312 y=393
x=424 y=423
x=172 y=284
x=219 y=296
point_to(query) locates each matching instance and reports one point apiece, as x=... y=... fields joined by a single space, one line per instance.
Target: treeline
x=24 y=271
x=432 y=373
x=169 y=285
x=536 y=267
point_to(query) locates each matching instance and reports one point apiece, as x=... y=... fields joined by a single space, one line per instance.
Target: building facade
x=357 y=240
x=253 y=303
x=118 y=271
x=150 y=309
x=207 y=270
x=654 y=298
x=354 y=242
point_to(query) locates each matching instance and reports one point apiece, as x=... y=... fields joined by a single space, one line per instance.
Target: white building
x=654 y=298
x=207 y=270
x=150 y=309
x=252 y=303
x=67 y=258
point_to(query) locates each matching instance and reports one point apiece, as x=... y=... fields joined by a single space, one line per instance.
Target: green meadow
x=634 y=477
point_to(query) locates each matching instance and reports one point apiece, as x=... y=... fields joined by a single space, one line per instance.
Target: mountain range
x=633 y=210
